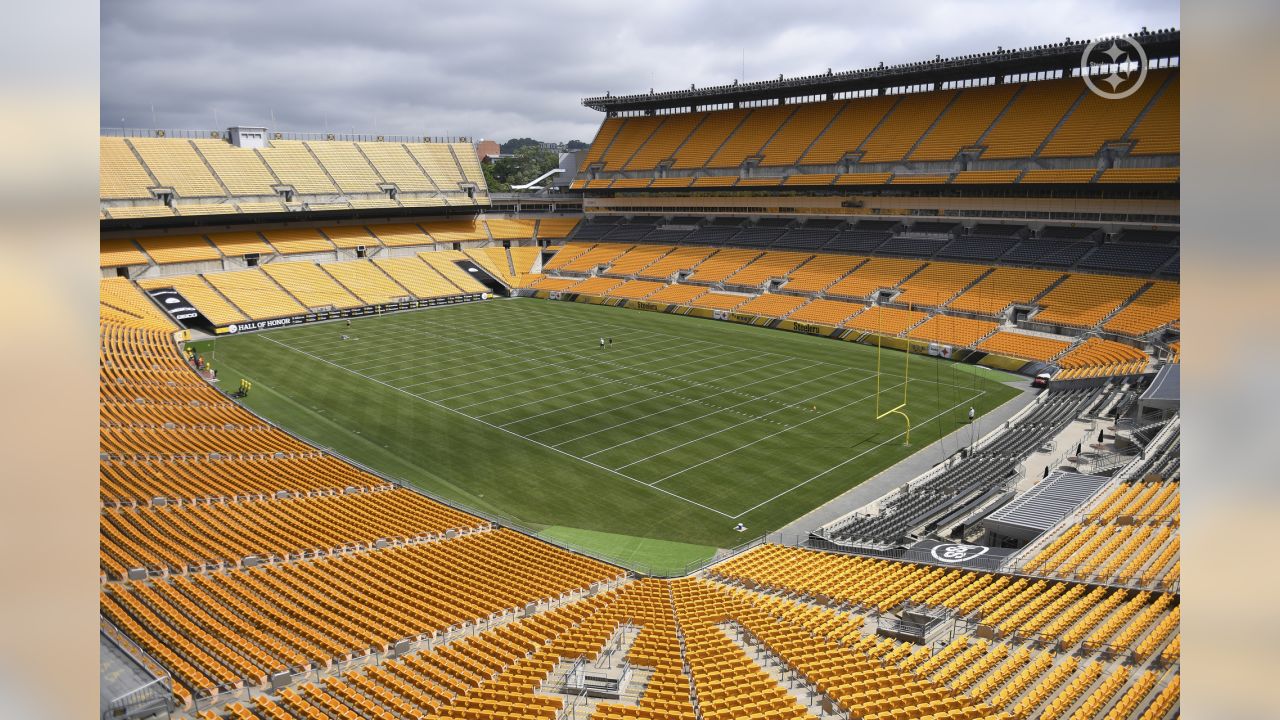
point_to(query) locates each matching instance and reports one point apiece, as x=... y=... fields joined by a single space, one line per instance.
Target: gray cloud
x=506 y=69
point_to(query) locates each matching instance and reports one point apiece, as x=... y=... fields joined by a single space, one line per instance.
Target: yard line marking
x=609 y=367
x=495 y=427
x=624 y=381
x=655 y=397
x=688 y=402
x=823 y=362
x=766 y=437
x=706 y=415
x=487 y=350
x=855 y=457
x=401 y=340
x=552 y=350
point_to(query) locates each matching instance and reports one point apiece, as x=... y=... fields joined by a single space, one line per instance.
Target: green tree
x=521 y=167
x=511 y=146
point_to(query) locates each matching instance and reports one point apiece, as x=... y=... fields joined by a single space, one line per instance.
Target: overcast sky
x=520 y=69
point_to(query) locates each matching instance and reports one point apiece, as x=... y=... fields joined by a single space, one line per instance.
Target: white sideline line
x=690 y=402
x=665 y=378
x=718 y=411
x=496 y=427
x=819 y=416
x=495 y=313
x=855 y=457
x=648 y=399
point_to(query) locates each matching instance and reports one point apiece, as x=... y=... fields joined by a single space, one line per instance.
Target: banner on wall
x=179 y=309
x=942 y=351
x=255 y=325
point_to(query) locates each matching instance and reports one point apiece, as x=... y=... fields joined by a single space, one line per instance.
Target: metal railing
x=159 y=691
x=186 y=134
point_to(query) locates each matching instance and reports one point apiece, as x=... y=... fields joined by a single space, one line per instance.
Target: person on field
x=602 y=343
x=971 y=413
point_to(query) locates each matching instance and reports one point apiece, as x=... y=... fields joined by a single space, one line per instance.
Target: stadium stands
x=724 y=263
x=120 y=252
x=1096 y=357
x=294 y=242
x=821 y=272
x=242 y=559
x=826 y=312
x=1155 y=308
x=771 y=305
x=417 y=277
x=445 y=263
x=232 y=244
x=448 y=231
x=1027 y=347
x=211 y=303
x=396 y=235
x=179 y=249
x=770 y=265
x=937 y=284
x=1084 y=300
x=312 y=286
x=254 y=293
x=949 y=330
x=963 y=122
x=874 y=275
x=885 y=320
x=1003 y=287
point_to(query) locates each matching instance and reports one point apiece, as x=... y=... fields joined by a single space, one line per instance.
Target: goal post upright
x=906 y=376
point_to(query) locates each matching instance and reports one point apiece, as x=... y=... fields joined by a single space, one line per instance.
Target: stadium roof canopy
x=1044 y=505
x=1165 y=391
x=1159 y=44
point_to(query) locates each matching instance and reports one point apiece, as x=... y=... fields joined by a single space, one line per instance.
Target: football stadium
x=847 y=396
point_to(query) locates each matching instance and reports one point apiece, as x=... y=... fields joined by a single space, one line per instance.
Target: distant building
x=487 y=150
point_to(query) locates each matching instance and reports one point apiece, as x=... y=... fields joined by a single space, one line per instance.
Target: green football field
x=649 y=450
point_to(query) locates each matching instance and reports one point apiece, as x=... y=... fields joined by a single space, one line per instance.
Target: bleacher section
x=1021 y=345
x=1084 y=300
x=874 y=275
x=270 y=579
x=1155 y=308
x=955 y=486
x=365 y=566
x=1042 y=120
x=254 y=293
x=1096 y=357
x=312 y=286
x=1128 y=533
x=210 y=175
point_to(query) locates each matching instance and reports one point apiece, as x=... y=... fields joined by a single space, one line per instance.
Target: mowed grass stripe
x=755 y=456
x=683 y=394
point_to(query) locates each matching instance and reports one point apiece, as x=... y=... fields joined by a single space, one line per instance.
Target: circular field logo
x=1129 y=72
x=957 y=553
